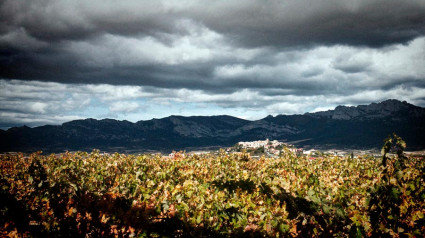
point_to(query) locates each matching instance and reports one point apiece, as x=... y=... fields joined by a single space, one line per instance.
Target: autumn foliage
x=94 y=194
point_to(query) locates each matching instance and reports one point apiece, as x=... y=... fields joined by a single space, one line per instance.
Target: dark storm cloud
x=74 y=20
x=36 y=36
x=252 y=23
x=295 y=23
x=258 y=57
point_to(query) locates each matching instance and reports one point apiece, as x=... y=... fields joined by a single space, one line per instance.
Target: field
x=229 y=195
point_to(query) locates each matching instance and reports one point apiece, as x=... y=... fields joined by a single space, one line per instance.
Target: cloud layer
x=143 y=59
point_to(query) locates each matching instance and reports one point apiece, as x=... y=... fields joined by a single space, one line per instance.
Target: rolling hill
x=359 y=127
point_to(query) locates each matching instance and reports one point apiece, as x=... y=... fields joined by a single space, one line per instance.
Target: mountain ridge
x=363 y=126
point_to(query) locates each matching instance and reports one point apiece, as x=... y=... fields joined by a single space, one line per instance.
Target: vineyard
x=226 y=195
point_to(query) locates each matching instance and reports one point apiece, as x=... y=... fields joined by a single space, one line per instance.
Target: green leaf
x=74 y=186
x=395 y=193
x=284 y=228
x=189 y=193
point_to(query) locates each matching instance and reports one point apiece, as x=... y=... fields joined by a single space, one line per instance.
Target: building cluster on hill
x=260 y=143
x=268 y=147
x=275 y=148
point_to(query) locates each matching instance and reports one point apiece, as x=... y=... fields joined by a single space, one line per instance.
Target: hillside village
x=275 y=148
x=259 y=147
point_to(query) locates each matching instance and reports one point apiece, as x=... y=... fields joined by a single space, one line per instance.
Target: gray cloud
x=295 y=23
x=253 y=23
x=270 y=56
x=75 y=41
x=37 y=103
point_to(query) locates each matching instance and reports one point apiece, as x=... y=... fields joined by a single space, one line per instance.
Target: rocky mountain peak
x=373 y=110
x=362 y=126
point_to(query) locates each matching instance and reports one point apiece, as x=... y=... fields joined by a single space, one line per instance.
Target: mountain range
x=356 y=127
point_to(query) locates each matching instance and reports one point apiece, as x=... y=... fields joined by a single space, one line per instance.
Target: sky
x=63 y=60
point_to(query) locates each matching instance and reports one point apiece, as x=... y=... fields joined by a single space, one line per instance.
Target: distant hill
x=363 y=126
